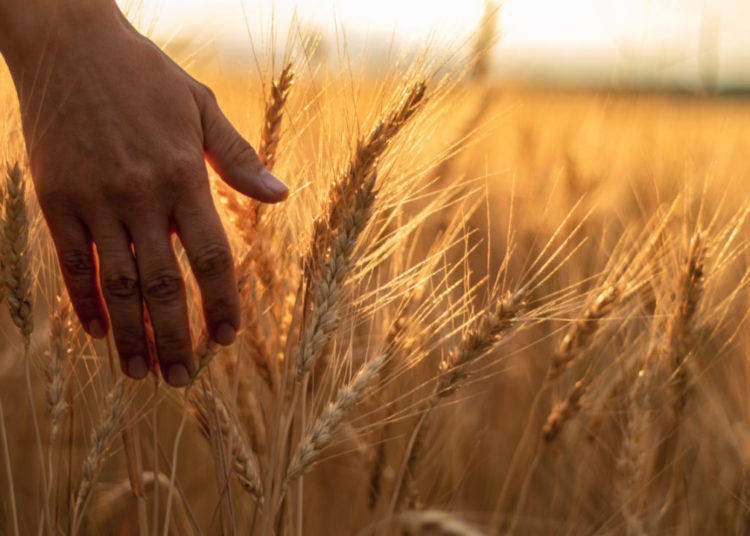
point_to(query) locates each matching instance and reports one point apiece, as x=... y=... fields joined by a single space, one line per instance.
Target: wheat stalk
x=257 y=345
x=9 y=472
x=632 y=459
x=246 y=214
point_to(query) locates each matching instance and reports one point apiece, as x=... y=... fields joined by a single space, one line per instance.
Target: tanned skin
x=117 y=137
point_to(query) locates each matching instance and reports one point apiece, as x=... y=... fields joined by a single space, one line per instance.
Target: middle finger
x=163 y=289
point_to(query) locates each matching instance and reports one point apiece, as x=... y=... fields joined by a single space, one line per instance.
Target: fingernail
x=272 y=183
x=137 y=367
x=96 y=329
x=225 y=334
x=177 y=375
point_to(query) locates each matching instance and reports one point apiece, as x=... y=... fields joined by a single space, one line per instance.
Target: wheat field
x=485 y=309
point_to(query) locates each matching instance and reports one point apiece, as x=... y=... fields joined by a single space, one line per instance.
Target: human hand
x=116 y=134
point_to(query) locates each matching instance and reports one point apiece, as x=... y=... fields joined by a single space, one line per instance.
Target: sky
x=687 y=43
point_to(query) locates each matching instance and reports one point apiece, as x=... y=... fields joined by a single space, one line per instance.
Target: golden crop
x=484 y=310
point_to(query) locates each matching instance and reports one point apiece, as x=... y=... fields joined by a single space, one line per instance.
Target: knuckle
x=163 y=286
x=77 y=263
x=205 y=93
x=121 y=285
x=213 y=261
x=179 y=164
x=133 y=186
x=183 y=171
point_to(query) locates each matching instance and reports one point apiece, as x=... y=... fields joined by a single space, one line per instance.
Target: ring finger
x=118 y=277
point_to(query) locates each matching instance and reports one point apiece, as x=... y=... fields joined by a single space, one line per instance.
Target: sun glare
x=661 y=38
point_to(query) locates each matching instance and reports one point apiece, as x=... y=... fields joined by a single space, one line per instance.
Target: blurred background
x=688 y=45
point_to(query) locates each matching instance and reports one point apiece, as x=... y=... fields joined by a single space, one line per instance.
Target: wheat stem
x=9 y=472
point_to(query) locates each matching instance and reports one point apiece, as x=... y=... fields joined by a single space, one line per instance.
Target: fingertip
x=177 y=375
x=277 y=189
x=259 y=184
x=136 y=367
x=225 y=334
x=96 y=328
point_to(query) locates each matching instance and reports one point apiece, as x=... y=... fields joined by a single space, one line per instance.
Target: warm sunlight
x=660 y=41
x=374 y=267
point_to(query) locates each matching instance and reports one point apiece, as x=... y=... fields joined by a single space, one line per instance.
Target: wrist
x=30 y=29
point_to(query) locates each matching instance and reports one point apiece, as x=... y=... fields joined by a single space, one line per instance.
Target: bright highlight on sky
x=662 y=41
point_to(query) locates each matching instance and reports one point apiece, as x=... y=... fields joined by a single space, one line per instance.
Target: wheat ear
x=490 y=328
x=349 y=203
x=680 y=340
x=493 y=324
x=326 y=285
x=58 y=355
x=631 y=462
x=246 y=214
x=18 y=283
x=269 y=139
x=583 y=330
x=325 y=427
x=562 y=413
x=16 y=274
x=360 y=167
x=244 y=464
x=101 y=437
x=680 y=327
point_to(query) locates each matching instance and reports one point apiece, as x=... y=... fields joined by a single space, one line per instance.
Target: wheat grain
x=563 y=412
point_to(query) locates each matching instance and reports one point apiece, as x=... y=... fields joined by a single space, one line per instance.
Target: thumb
x=233 y=158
